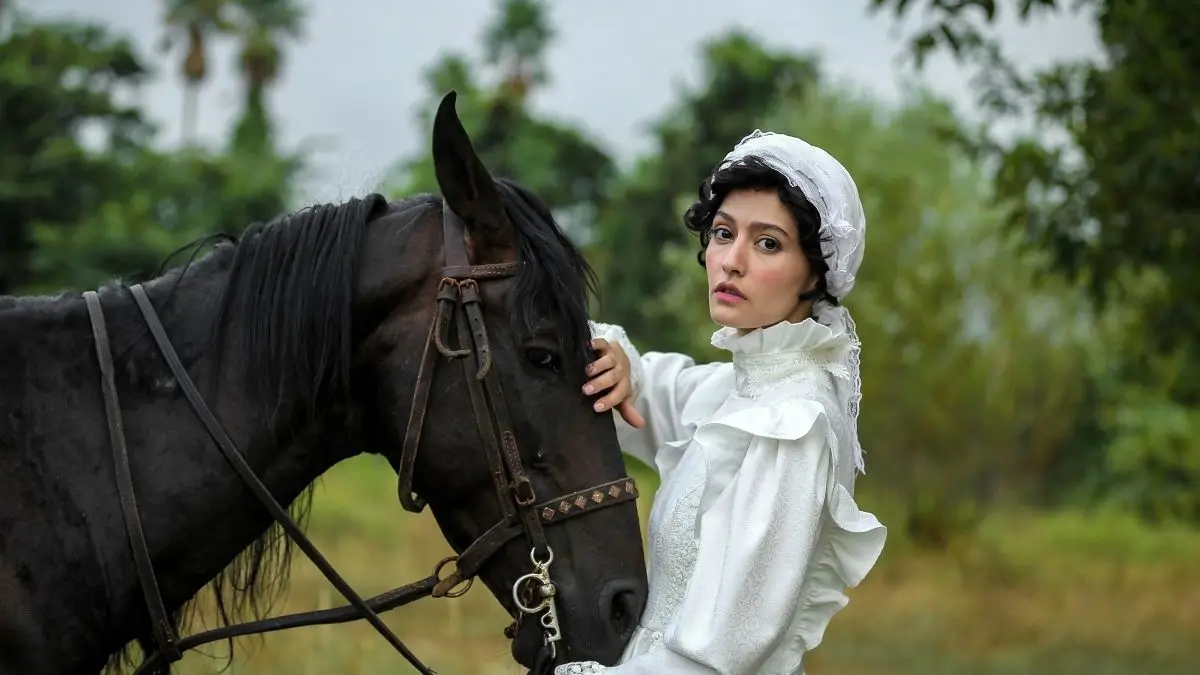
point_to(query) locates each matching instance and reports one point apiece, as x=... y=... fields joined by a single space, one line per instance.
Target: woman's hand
x=610 y=371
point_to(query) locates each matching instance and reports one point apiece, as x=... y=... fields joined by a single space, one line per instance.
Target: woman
x=754 y=533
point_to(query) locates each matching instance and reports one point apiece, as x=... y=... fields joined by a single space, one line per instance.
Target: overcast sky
x=615 y=64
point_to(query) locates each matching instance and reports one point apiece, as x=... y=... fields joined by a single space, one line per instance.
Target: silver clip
x=544 y=593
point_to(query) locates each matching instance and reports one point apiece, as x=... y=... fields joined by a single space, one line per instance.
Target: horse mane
x=285 y=307
x=286 y=304
x=554 y=279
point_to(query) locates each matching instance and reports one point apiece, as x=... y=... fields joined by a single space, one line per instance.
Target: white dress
x=754 y=533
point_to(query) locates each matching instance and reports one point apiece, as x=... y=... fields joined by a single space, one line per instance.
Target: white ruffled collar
x=808 y=336
x=767 y=357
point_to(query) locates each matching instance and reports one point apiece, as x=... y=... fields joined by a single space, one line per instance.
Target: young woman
x=754 y=533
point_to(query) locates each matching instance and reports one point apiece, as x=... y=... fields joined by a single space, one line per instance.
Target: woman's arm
x=646 y=391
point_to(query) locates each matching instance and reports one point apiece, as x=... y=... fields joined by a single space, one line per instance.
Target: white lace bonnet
x=828 y=186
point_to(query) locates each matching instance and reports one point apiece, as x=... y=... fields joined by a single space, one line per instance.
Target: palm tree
x=194 y=21
x=262 y=25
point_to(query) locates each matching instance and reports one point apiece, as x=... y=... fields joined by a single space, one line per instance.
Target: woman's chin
x=730 y=317
x=724 y=315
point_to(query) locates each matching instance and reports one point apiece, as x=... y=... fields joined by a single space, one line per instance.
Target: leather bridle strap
x=501 y=445
x=468 y=565
x=164 y=635
x=379 y=604
x=227 y=447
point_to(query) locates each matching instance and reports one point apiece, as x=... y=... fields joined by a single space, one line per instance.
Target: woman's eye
x=769 y=244
x=542 y=358
x=722 y=233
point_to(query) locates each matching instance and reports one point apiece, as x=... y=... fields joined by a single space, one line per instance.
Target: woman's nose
x=734 y=261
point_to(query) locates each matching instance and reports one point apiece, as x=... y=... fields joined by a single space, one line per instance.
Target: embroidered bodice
x=754 y=533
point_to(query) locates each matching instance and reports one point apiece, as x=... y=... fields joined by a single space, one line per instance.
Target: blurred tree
x=569 y=170
x=168 y=200
x=1115 y=201
x=57 y=82
x=194 y=22
x=516 y=43
x=83 y=195
x=741 y=80
x=262 y=26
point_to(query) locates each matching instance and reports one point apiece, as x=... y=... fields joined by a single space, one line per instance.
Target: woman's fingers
x=618 y=393
x=601 y=364
x=601 y=382
x=610 y=371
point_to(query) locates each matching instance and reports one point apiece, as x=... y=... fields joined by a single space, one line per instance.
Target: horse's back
x=19 y=641
x=22 y=646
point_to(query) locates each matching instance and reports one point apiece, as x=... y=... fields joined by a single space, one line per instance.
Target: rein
x=458 y=299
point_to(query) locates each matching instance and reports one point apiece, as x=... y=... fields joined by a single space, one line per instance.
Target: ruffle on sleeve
x=853 y=540
x=848 y=551
x=725 y=439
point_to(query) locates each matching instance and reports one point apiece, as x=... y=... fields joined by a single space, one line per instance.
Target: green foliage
x=170 y=199
x=1114 y=203
x=57 y=81
x=517 y=41
x=1154 y=458
x=77 y=213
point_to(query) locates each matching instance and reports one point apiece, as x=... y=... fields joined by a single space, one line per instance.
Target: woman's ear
x=813 y=290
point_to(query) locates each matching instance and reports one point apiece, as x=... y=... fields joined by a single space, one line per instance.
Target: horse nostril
x=623 y=613
x=621 y=604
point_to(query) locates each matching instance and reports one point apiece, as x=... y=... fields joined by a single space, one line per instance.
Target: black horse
x=306 y=337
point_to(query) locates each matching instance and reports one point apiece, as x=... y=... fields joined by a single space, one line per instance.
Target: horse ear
x=467 y=185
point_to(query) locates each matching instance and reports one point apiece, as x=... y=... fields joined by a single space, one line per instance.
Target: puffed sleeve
x=662 y=382
x=779 y=540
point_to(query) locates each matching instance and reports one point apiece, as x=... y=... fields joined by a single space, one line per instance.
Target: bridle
x=458 y=299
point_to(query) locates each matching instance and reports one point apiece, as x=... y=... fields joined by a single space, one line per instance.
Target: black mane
x=555 y=278
x=286 y=304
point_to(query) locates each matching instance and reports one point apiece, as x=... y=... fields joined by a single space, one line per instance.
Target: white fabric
x=754 y=533
x=832 y=191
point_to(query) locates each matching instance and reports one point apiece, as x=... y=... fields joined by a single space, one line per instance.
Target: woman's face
x=756 y=268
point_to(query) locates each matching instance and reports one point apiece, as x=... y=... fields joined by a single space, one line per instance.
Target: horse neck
x=197 y=514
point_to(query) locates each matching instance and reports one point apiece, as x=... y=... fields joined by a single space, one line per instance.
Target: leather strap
x=247 y=474
x=164 y=635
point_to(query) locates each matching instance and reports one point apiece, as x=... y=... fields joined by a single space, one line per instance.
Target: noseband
x=458 y=299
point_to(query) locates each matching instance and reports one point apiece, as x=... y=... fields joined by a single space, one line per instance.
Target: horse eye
x=542 y=358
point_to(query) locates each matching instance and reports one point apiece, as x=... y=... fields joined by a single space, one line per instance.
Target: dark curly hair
x=754 y=174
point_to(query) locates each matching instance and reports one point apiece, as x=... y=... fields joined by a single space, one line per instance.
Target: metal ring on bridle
x=540 y=563
x=444 y=588
x=544 y=591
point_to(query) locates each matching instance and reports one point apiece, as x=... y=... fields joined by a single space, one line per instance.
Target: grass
x=1061 y=594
